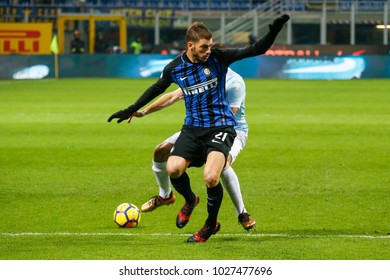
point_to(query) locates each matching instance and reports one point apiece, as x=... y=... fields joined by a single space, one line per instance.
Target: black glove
x=123 y=114
x=278 y=23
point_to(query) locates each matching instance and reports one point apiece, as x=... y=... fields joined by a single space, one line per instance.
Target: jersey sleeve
x=236 y=95
x=230 y=55
x=156 y=89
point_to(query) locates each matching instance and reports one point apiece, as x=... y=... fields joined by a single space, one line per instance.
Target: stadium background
x=322 y=38
x=314 y=173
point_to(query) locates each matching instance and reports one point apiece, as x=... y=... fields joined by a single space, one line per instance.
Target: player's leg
x=213 y=168
x=229 y=177
x=232 y=184
x=159 y=167
x=180 y=180
x=218 y=146
x=186 y=149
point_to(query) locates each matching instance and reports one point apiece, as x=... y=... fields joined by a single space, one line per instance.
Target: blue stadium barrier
x=150 y=66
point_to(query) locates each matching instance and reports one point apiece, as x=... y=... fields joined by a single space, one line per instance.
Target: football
x=127 y=215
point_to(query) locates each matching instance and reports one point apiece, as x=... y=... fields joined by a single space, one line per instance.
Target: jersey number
x=221 y=136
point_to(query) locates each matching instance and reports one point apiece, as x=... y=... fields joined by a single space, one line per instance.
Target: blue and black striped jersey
x=203 y=84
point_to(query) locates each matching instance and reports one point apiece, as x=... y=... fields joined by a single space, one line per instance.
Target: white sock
x=162 y=178
x=232 y=185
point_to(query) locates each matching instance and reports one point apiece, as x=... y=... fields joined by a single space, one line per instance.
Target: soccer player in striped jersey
x=208 y=131
x=235 y=89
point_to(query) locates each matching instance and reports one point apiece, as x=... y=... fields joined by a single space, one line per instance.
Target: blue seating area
x=372 y=5
x=174 y=4
x=213 y=5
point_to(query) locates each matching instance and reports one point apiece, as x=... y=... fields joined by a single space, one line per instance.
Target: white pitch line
x=182 y=234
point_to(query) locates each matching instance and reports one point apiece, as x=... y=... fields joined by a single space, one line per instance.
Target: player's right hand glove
x=278 y=23
x=123 y=114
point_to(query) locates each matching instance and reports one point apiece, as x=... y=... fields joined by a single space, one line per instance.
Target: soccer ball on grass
x=127 y=215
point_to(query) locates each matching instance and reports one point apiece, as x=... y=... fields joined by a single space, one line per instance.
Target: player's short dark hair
x=198 y=31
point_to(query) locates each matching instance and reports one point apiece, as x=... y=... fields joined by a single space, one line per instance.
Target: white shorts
x=172 y=139
x=238 y=144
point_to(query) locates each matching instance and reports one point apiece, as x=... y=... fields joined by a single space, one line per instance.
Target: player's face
x=201 y=50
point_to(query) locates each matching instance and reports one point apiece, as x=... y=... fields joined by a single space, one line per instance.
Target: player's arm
x=152 y=92
x=259 y=47
x=164 y=101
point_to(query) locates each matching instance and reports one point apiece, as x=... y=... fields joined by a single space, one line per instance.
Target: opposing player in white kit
x=235 y=88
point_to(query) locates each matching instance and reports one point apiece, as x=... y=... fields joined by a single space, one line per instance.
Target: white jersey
x=235 y=88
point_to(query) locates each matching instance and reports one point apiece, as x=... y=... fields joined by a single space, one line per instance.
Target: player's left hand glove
x=278 y=23
x=123 y=114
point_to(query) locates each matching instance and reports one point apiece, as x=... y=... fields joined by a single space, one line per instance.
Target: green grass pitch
x=314 y=173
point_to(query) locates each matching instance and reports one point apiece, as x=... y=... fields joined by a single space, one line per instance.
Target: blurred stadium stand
x=206 y=5
x=315 y=22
